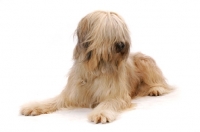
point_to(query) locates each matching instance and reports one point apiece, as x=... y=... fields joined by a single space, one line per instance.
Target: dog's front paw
x=104 y=116
x=33 y=109
x=157 y=91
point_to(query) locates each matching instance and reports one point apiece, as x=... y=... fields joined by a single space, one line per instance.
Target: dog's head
x=103 y=40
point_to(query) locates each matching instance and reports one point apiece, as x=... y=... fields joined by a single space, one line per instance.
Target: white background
x=36 y=46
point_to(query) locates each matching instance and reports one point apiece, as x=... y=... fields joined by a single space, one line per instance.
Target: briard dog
x=104 y=75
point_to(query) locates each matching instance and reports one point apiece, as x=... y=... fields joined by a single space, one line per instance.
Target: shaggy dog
x=104 y=75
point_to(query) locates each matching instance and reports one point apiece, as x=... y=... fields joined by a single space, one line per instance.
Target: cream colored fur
x=104 y=75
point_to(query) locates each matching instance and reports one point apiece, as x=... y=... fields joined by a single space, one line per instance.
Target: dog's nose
x=120 y=46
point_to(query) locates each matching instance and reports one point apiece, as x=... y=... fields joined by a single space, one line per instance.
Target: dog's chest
x=93 y=91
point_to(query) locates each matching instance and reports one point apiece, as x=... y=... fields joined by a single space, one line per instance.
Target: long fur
x=104 y=75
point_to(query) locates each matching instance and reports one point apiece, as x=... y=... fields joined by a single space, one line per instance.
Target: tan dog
x=104 y=76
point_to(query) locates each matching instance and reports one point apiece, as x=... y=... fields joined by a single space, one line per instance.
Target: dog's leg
x=108 y=110
x=44 y=107
x=153 y=81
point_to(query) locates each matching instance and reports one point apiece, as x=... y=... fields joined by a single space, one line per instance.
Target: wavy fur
x=104 y=75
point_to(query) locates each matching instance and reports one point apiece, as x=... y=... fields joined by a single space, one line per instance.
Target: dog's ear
x=82 y=32
x=82 y=36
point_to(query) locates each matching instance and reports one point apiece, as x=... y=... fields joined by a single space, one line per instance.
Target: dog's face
x=103 y=40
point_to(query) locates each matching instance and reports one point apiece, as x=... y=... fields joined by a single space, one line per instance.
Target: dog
x=104 y=75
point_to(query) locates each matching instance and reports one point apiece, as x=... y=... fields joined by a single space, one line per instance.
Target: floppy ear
x=81 y=33
x=81 y=48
